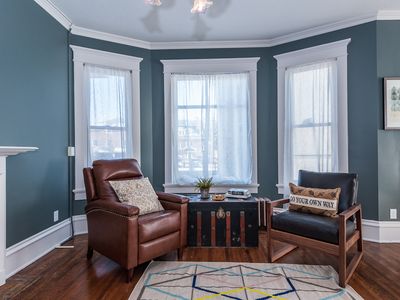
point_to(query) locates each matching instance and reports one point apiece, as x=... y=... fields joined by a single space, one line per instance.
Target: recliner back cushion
x=119 y=169
x=347 y=182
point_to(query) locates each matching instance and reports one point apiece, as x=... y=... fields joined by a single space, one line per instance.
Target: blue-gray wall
x=33 y=112
x=388 y=52
x=34 y=103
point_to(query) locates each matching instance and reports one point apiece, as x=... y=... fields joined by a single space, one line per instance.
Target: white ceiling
x=226 y=20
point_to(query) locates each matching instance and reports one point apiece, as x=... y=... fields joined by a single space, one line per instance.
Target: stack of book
x=238 y=193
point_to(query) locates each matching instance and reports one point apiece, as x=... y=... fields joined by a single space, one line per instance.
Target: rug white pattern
x=220 y=280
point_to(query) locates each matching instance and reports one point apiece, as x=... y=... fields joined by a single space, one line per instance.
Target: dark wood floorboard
x=66 y=274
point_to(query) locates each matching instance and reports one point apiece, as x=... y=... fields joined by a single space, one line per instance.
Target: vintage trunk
x=228 y=223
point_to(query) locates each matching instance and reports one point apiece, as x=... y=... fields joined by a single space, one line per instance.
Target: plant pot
x=205 y=193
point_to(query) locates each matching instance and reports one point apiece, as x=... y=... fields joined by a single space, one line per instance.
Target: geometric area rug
x=164 y=280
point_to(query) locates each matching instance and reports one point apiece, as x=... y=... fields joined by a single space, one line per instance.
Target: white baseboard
x=381 y=231
x=28 y=251
x=80 y=224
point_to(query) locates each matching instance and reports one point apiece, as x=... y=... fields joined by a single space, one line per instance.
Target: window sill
x=281 y=188
x=80 y=194
x=185 y=189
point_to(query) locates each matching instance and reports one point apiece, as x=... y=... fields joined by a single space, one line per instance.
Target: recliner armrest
x=178 y=199
x=122 y=209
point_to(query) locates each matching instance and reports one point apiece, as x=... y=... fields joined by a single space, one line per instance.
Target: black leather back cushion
x=346 y=181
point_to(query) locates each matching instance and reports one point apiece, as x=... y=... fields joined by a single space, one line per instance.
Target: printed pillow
x=137 y=192
x=314 y=201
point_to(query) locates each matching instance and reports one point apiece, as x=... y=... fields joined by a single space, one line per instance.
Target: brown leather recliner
x=117 y=231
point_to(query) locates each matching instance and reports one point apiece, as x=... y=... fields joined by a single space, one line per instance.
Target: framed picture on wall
x=392 y=103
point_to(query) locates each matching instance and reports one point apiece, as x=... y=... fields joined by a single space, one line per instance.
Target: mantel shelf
x=11 y=150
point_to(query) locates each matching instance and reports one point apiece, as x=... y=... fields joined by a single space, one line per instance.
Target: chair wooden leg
x=342 y=252
x=180 y=253
x=269 y=226
x=129 y=275
x=342 y=270
x=89 y=253
x=359 y=228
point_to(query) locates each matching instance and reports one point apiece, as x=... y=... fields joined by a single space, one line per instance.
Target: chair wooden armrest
x=278 y=202
x=347 y=214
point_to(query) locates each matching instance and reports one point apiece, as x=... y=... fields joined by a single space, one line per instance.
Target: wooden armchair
x=334 y=236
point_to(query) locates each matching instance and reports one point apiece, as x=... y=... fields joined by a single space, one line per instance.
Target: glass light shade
x=200 y=6
x=153 y=2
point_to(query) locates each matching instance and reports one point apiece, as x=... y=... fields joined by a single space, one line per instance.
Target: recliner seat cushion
x=158 y=224
x=311 y=226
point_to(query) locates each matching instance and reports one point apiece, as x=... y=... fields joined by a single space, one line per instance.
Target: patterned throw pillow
x=315 y=201
x=137 y=192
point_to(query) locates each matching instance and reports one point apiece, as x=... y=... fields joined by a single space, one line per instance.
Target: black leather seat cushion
x=347 y=182
x=311 y=226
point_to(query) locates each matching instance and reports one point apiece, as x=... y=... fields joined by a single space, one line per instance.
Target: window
x=312 y=111
x=210 y=123
x=107 y=109
x=108 y=93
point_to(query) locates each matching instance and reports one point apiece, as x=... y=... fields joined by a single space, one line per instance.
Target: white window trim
x=337 y=50
x=82 y=56
x=247 y=64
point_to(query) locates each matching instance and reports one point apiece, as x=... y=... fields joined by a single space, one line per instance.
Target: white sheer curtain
x=211 y=128
x=108 y=99
x=311 y=121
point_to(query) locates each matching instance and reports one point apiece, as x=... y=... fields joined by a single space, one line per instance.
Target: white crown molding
x=48 y=6
x=210 y=44
x=388 y=15
x=109 y=37
x=321 y=30
x=53 y=11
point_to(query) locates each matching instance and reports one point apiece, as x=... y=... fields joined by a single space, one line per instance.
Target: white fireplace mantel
x=4 y=152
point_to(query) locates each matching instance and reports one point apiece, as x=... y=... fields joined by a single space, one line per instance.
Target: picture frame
x=392 y=103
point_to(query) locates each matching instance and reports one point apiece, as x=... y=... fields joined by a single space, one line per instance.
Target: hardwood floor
x=66 y=274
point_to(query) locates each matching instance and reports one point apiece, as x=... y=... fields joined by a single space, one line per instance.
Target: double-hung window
x=210 y=123
x=312 y=111
x=107 y=118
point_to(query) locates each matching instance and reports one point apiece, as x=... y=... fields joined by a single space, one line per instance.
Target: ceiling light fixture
x=199 y=6
x=153 y=2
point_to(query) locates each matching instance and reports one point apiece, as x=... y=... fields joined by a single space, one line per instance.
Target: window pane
x=311 y=95
x=312 y=140
x=106 y=144
x=195 y=138
x=109 y=100
x=211 y=128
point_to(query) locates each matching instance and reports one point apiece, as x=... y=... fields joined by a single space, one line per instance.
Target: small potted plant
x=203 y=185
